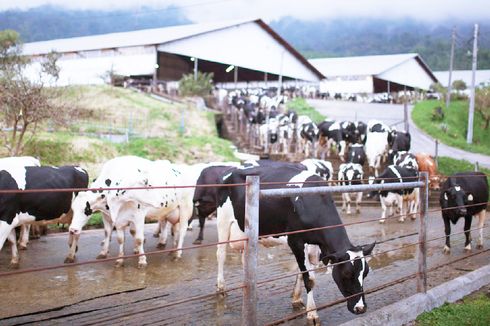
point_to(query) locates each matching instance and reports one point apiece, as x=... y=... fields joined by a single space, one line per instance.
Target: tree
x=459 y=85
x=201 y=86
x=26 y=103
x=482 y=104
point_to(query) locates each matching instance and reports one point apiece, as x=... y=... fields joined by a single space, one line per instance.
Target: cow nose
x=360 y=310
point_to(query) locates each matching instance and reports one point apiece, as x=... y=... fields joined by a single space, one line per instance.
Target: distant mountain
x=361 y=36
x=328 y=38
x=50 y=22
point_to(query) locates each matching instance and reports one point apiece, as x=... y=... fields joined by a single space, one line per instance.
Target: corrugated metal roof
x=481 y=76
x=124 y=39
x=370 y=65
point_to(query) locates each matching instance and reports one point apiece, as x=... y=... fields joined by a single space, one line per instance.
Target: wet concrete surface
x=161 y=293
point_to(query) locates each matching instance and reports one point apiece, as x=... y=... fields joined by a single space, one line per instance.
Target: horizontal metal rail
x=286 y=192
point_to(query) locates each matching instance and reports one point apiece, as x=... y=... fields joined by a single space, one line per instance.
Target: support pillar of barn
x=235 y=76
x=195 y=67
x=405 y=108
x=249 y=305
x=422 y=252
x=265 y=80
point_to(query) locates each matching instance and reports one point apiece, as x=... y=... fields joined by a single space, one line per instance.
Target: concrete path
x=392 y=114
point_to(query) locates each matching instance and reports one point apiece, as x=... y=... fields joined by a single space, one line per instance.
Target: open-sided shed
x=374 y=74
x=234 y=51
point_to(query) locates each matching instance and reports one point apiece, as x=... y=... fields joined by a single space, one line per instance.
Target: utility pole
x=471 y=113
x=451 y=60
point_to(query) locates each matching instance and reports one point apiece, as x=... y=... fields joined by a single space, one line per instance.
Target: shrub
x=201 y=86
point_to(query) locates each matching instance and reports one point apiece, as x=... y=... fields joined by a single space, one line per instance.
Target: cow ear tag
x=470 y=197
x=445 y=196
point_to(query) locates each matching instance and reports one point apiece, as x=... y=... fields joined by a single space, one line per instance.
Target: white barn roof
x=481 y=76
x=405 y=69
x=250 y=44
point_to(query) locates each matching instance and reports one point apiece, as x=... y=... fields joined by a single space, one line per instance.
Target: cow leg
x=447 y=231
x=157 y=232
x=73 y=247
x=344 y=201
x=224 y=220
x=358 y=202
x=162 y=233
x=467 y=232
x=200 y=237
x=139 y=238
x=347 y=196
x=108 y=226
x=296 y=301
x=481 y=222
x=298 y=249
x=120 y=241
x=14 y=261
x=24 y=236
x=382 y=200
x=401 y=203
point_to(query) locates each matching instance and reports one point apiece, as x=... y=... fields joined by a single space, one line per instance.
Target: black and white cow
x=331 y=134
x=460 y=190
x=360 y=131
x=205 y=198
x=397 y=198
x=350 y=174
x=399 y=141
x=376 y=145
x=319 y=167
x=308 y=132
x=295 y=213
x=356 y=154
x=20 y=208
x=406 y=160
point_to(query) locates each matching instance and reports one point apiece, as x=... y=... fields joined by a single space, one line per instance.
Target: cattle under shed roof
x=249 y=44
x=406 y=69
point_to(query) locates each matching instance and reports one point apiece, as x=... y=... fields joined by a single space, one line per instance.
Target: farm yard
x=210 y=173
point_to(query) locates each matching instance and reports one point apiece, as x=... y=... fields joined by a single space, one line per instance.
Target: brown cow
x=427 y=164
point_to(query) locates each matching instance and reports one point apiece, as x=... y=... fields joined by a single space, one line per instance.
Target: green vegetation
x=301 y=107
x=200 y=86
x=448 y=166
x=452 y=129
x=473 y=310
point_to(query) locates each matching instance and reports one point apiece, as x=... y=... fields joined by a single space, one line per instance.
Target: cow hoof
x=401 y=220
x=161 y=245
x=69 y=260
x=479 y=246
x=467 y=248
x=22 y=247
x=189 y=228
x=101 y=256
x=221 y=293
x=176 y=258
x=142 y=265
x=446 y=250
x=136 y=251
x=14 y=265
x=381 y=221
x=298 y=304
x=313 y=321
x=358 y=211
x=119 y=263
x=197 y=242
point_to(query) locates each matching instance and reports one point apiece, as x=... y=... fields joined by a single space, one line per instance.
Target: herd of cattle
x=158 y=199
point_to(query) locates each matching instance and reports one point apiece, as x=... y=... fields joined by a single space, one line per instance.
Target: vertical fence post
x=477 y=166
x=249 y=306
x=437 y=153
x=422 y=253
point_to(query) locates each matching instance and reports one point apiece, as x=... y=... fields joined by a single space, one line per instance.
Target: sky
x=213 y=10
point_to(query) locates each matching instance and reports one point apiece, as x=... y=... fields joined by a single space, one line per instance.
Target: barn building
x=374 y=74
x=235 y=52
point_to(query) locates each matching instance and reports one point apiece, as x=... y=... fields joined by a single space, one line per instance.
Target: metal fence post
x=437 y=153
x=249 y=306
x=422 y=253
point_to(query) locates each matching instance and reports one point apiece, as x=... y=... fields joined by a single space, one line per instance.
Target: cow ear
x=470 y=197
x=367 y=249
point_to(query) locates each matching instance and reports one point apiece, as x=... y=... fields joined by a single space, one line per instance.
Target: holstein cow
x=398 y=142
x=427 y=164
x=331 y=134
x=308 y=133
x=319 y=167
x=460 y=195
x=356 y=154
x=89 y=202
x=11 y=164
x=19 y=208
x=350 y=174
x=376 y=145
x=392 y=198
x=360 y=132
x=406 y=160
x=295 y=213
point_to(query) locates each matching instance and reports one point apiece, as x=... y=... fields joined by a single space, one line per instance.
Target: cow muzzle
x=74 y=231
x=359 y=310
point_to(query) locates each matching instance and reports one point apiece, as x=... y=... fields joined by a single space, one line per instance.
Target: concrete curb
x=408 y=309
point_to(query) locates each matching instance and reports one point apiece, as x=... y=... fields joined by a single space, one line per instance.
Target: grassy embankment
x=452 y=129
x=473 y=310
x=301 y=107
x=155 y=127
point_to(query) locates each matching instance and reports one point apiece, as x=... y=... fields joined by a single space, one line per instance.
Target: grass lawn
x=452 y=129
x=448 y=166
x=301 y=107
x=472 y=310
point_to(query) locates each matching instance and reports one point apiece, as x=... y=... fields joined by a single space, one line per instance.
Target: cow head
x=456 y=197
x=83 y=206
x=435 y=182
x=349 y=273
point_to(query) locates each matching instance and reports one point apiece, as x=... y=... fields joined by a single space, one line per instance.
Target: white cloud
x=212 y=10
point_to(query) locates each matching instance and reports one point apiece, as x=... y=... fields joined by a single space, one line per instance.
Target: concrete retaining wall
x=406 y=310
